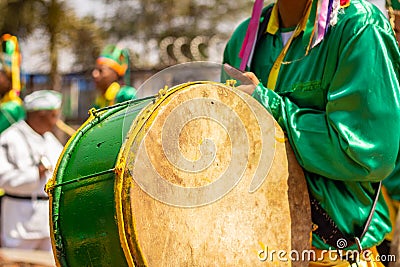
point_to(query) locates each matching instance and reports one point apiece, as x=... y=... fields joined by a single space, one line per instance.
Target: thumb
x=252 y=77
x=236 y=74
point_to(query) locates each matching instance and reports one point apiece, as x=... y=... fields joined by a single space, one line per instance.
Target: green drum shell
x=84 y=226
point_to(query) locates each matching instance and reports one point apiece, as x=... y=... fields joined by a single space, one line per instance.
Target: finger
x=237 y=74
x=252 y=77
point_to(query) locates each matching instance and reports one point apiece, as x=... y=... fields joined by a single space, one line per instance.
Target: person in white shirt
x=28 y=155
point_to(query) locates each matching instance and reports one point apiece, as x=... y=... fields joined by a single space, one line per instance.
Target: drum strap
x=329 y=232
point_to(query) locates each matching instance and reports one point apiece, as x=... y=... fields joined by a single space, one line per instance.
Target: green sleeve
x=357 y=136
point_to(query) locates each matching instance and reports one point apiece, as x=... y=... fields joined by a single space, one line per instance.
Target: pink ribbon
x=249 y=41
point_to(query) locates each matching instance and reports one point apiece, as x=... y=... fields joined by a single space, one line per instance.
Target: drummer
x=112 y=77
x=332 y=85
x=28 y=155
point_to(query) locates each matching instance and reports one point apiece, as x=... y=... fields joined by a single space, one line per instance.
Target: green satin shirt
x=340 y=109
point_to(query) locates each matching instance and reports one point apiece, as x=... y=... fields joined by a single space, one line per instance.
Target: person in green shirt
x=112 y=77
x=11 y=109
x=328 y=70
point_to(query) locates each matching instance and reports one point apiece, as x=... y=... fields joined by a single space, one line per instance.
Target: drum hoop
x=120 y=183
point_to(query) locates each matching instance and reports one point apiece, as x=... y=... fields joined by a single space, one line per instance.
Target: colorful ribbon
x=12 y=58
x=249 y=41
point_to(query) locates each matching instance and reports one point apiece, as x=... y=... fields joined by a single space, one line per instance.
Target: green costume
x=339 y=105
x=117 y=59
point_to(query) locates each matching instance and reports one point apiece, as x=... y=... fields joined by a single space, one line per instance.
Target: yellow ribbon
x=10 y=96
x=273 y=75
x=16 y=82
x=108 y=99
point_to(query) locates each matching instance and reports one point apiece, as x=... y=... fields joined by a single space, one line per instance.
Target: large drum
x=200 y=175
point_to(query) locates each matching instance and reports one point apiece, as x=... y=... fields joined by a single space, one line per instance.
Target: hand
x=248 y=80
x=44 y=166
x=42 y=170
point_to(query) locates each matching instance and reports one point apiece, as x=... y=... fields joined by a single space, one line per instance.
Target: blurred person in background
x=11 y=109
x=28 y=155
x=111 y=76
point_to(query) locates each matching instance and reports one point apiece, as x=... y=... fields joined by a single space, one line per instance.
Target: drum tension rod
x=81 y=179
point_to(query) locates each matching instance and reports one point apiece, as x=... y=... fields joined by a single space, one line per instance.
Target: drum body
x=201 y=176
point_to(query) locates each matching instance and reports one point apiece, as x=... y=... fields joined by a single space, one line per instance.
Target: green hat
x=43 y=100
x=116 y=58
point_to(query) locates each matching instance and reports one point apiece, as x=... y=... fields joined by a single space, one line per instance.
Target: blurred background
x=61 y=39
